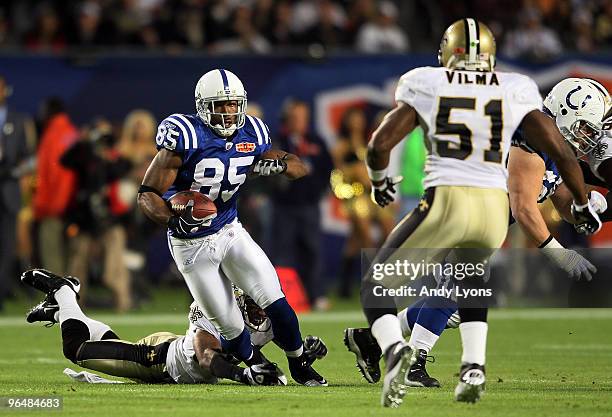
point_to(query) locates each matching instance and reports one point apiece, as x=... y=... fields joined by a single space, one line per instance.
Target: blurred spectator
x=46 y=36
x=532 y=40
x=603 y=25
x=296 y=203
x=16 y=146
x=137 y=144
x=55 y=184
x=350 y=183
x=382 y=34
x=97 y=210
x=90 y=27
x=281 y=32
x=328 y=30
x=6 y=37
x=244 y=36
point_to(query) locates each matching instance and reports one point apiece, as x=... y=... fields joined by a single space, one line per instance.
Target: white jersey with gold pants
x=469 y=118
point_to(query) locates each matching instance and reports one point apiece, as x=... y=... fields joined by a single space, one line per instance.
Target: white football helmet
x=580 y=107
x=220 y=85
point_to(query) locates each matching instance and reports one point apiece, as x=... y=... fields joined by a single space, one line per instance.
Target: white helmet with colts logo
x=581 y=108
x=216 y=86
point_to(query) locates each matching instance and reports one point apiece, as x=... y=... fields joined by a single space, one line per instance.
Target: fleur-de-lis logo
x=423 y=205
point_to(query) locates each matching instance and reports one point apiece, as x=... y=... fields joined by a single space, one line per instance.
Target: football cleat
x=398 y=358
x=471 y=383
x=366 y=349
x=417 y=374
x=265 y=374
x=48 y=282
x=303 y=373
x=43 y=311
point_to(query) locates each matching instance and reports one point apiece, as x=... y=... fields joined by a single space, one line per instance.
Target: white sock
x=68 y=306
x=387 y=331
x=295 y=353
x=474 y=341
x=402 y=316
x=422 y=338
x=69 y=309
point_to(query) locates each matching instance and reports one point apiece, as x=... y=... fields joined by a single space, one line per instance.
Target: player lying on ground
x=533 y=177
x=212 y=152
x=162 y=357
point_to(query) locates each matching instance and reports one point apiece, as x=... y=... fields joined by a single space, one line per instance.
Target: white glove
x=598 y=202
x=268 y=167
x=576 y=265
x=587 y=219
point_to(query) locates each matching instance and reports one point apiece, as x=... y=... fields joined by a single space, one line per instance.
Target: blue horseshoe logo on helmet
x=569 y=103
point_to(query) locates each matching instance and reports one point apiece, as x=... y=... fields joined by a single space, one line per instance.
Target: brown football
x=202 y=205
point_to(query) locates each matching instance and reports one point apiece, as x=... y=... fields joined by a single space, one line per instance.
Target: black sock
x=257 y=357
x=221 y=368
x=74 y=334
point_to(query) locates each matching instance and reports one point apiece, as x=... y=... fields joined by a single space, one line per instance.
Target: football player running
x=533 y=178
x=212 y=152
x=162 y=357
x=470 y=113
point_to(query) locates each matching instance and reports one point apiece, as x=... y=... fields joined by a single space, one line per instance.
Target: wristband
x=550 y=243
x=376 y=174
x=146 y=189
x=582 y=206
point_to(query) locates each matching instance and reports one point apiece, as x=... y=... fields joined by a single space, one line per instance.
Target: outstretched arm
x=276 y=161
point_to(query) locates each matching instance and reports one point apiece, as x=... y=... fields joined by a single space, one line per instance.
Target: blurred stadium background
x=91 y=79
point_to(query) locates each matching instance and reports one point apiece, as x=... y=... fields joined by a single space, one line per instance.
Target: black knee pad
x=74 y=334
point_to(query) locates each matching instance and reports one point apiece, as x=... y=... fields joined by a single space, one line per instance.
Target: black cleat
x=265 y=374
x=417 y=374
x=303 y=373
x=48 y=282
x=471 y=383
x=398 y=359
x=43 y=311
x=366 y=349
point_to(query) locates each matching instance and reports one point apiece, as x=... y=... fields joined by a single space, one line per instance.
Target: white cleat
x=471 y=383
x=399 y=358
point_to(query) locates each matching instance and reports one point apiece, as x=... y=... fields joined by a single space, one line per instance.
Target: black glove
x=587 y=219
x=385 y=193
x=185 y=224
x=268 y=167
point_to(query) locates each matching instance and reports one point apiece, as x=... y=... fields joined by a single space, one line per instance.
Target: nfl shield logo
x=228 y=146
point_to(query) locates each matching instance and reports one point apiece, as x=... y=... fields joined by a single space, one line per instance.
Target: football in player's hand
x=202 y=205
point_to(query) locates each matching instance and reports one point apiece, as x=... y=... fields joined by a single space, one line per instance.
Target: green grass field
x=540 y=363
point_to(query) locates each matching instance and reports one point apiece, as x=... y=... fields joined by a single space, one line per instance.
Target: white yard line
x=335 y=317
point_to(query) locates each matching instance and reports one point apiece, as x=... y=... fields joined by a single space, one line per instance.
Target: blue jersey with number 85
x=212 y=165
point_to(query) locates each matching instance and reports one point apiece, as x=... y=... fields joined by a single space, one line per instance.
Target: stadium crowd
x=540 y=29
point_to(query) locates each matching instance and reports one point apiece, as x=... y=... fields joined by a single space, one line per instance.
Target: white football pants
x=210 y=264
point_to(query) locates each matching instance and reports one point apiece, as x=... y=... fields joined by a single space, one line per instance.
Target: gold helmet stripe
x=471 y=39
